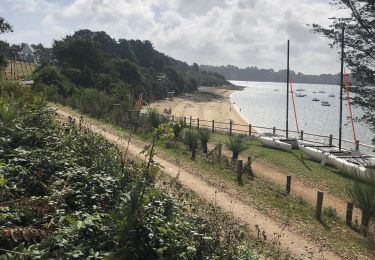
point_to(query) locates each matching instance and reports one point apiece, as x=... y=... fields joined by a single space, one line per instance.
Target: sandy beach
x=209 y=103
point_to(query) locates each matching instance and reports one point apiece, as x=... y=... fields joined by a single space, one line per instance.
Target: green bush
x=191 y=140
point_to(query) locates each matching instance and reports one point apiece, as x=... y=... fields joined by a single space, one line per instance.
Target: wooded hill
x=269 y=75
x=95 y=60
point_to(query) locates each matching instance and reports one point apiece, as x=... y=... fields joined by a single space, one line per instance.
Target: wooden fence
x=231 y=128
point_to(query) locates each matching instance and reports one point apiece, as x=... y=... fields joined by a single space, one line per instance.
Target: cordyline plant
x=363 y=196
x=237 y=145
x=204 y=137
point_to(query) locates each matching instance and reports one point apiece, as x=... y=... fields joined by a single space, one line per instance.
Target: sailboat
x=280 y=142
x=348 y=162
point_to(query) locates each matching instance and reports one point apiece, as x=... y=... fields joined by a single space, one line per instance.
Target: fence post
x=357 y=145
x=198 y=122
x=250 y=170
x=219 y=146
x=190 y=122
x=184 y=120
x=330 y=140
x=288 y=183
x=349 y=214
x=239 y=171
x=213 y=126
x=319 y=204
x=230 y=127
x=249 y=129
x=172 y=118
x=302 y=135
x=274 y=130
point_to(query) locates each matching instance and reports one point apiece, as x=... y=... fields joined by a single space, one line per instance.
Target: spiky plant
x=191 y=140
x=363 y=196
x=237 y=145
x=204 y=137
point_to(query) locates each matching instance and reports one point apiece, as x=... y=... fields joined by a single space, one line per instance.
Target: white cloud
x=219 y=32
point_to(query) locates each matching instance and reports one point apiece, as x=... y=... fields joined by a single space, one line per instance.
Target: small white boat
x=331 y=95
x=362 y=172
x=322 y=91
x=326 y=103
x=273 y=142
x=315 y=99
x=300 y=95
x=313 y=153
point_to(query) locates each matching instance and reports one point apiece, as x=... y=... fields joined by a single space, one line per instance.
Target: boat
x=300 y=89
x=331 y=95
x=274 y=142
x=315 y=99
x=314 y=92
x=354 y=164
x=322 y=91
x=326 y=103
x=300 y=95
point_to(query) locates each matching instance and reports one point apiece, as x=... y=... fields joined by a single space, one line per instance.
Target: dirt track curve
x=294 y=243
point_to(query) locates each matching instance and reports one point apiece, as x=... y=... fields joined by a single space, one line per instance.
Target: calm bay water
x=264 y=104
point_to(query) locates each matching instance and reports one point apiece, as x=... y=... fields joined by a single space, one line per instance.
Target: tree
x=359 y=49
x=4 y=26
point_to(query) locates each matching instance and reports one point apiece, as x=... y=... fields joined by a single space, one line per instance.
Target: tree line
x=270 y=75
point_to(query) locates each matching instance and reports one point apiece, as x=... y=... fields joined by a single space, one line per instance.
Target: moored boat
x=315 y=99
x=326 y=103
x=274 y=142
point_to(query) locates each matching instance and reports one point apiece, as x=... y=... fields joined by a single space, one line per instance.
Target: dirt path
x=298 y=188
x=296 y=244
x=202 y=106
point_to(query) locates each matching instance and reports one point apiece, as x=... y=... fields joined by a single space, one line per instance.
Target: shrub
x=237 y=145
x=363 y=196
x=154 y=118
x=191 y=140
x=204 y=137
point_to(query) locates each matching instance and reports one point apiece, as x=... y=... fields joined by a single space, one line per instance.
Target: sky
x=214 y=32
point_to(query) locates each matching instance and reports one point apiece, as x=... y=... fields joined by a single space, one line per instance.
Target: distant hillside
x=269 y=75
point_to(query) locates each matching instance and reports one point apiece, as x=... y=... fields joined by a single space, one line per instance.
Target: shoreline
x=207 y=104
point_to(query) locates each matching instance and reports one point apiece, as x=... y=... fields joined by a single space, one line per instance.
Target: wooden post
x=213 y=126
x=198 y=122
x=250 y=170
x=239 y=171
x=219 y=146
x=172 y=118
x=302 y=135
x=249 y=160
x=230 y=127
x=288 y=183
x=190 y=122
x=319 y=204
x=274 y=130
x=184 y=120
x=249 y=129
x=349 y=214
x=357 y=145
x=330 y=140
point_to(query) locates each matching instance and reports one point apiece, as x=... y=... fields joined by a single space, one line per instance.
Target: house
x=28 y=53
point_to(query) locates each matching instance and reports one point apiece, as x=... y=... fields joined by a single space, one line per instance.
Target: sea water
x=264 y=104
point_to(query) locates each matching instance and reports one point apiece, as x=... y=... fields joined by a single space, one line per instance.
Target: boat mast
x=287 y=93
x=341 y=83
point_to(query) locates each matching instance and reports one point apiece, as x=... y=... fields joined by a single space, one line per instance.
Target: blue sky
x=216 y=32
